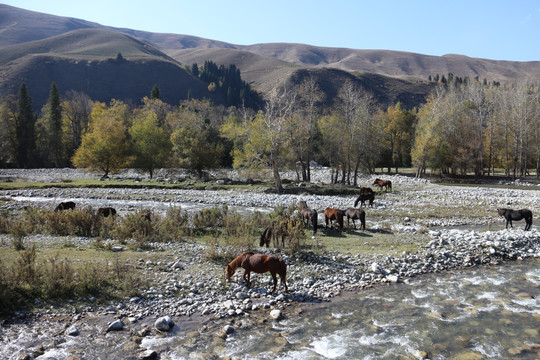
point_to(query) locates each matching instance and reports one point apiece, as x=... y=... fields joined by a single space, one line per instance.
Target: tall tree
x=105 y=146
x=197 y=144
x=24 y=128
x=8 y=138
x=263 y=135
x=76 y=110
x=49 y=130
x=304 y=133
x=151 y=144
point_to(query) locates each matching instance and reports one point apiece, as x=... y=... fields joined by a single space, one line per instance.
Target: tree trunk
x=277 y=178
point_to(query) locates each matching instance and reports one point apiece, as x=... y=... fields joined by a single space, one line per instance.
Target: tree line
x=462 y=128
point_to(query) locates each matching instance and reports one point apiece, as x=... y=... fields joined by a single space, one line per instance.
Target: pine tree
x=55 y=126
x=155 y=93
x=195 y=70
x=24 y=128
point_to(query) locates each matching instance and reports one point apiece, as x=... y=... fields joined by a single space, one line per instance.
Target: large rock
x=164 y=323
x=276 y=314
x=117 y=325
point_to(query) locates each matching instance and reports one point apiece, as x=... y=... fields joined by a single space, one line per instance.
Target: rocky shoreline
x=312 y=278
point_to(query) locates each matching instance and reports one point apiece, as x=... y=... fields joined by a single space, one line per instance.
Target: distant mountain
x=88 y=60
x=39 y=48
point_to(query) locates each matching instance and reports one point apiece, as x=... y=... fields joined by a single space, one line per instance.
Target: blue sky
x=491 y=29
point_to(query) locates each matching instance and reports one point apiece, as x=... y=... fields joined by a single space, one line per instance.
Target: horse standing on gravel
x=363 y=197
x=517 y=215
x=67 y=205
x=386 y=184
x=260 y=264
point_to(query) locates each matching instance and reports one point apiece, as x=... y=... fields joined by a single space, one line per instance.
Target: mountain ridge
x=394 y=75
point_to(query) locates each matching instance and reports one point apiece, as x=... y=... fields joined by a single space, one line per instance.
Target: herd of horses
x=261 y=263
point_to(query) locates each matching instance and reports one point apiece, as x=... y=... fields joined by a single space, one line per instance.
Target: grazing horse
x=356 y=214
x=363 y=197
x=107 y=211
x=331 y=214
x=386 y=184
x=273 y=232
x=308 y=215
x=260 y=264
x=517 y=215
x=276 y=231
x=65 y=206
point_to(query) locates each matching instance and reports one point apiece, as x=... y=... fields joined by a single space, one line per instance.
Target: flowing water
x=482 y=313
x=488 y=312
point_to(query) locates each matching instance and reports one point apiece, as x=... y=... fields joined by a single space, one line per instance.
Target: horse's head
x=501 y=212
x=229 y=272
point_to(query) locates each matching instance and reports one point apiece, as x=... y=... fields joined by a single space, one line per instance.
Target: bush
x=173 y=226
x=137 y=227
x=210 y=217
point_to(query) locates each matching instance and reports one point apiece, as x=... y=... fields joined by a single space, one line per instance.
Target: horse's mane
x=235 y=264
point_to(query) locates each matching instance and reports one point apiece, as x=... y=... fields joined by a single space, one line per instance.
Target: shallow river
x=489 y=311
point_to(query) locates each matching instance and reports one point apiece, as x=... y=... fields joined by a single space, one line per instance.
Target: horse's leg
x=275 y=280
x=247 y=276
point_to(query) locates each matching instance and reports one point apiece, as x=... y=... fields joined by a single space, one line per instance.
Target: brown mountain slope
x=397 y=63
x=86 y=60
x=390 y=75
x=21 y=25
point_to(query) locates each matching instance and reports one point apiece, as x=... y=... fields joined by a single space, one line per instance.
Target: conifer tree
x=55 y=126
x=24 y=128
x=156 y=93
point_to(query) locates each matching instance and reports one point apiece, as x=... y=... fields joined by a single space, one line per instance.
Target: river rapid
x=487 y=312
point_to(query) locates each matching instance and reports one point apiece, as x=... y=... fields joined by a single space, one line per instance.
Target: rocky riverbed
x=209 y=309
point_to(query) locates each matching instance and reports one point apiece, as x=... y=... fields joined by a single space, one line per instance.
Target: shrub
x=210 y=217
x=137 y=227
x=173 y=226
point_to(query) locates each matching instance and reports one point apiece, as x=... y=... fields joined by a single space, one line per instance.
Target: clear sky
x=491 y=29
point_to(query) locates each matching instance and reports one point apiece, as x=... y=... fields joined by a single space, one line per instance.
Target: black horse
x=517 y=215
x=67 y=205
x=363 y=197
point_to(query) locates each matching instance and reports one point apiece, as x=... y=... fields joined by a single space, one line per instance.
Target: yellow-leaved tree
x=105 y=146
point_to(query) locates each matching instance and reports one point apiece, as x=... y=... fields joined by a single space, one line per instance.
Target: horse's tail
x=314 y=221
x=390 y=184
x=357 y=201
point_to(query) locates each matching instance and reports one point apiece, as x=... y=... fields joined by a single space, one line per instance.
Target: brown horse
x=363 y=197
x=260 y=264
x=517 y=215
x=356 y=214
x=107 y=211
x=67 y=205
x=273 y=232
x=308 y=215
x=386 y=184
x=331 y=214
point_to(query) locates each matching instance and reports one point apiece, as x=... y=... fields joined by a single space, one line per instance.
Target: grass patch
x=55 y=274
